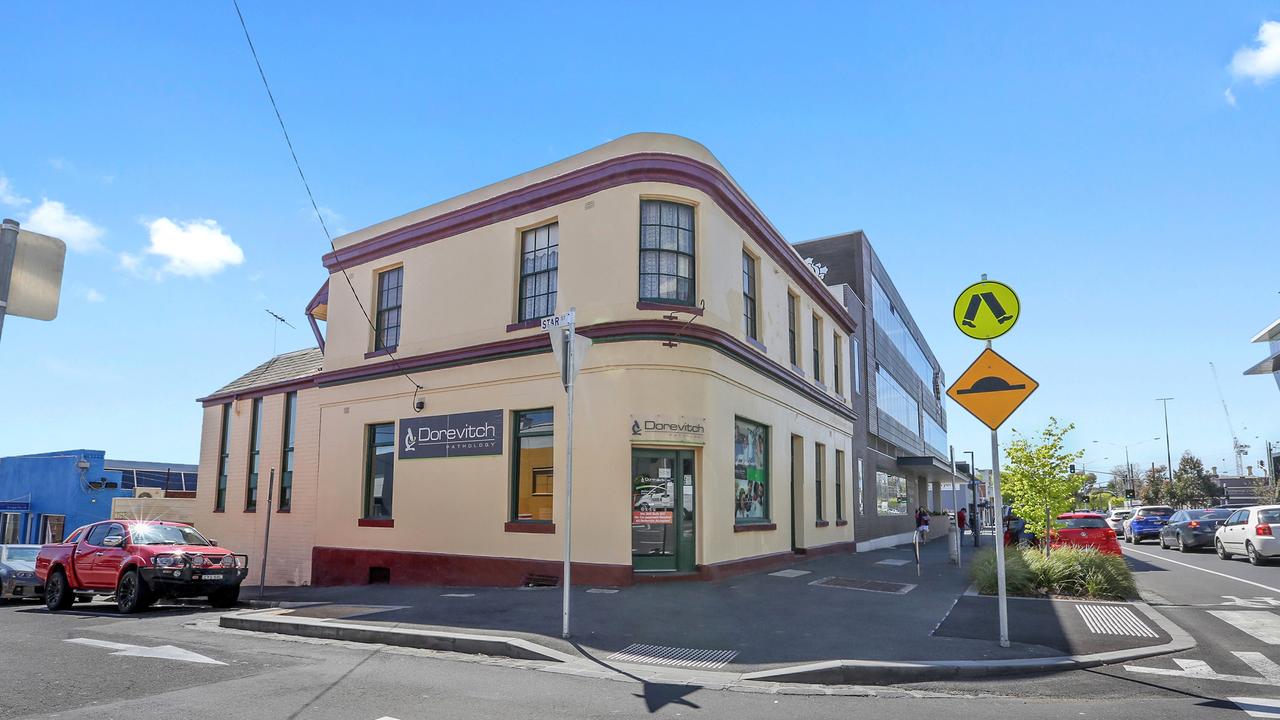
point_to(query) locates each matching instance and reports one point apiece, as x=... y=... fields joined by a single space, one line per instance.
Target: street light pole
x=973 y=497
x=1167 y=447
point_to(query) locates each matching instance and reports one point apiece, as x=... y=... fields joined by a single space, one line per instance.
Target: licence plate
x=211 y=577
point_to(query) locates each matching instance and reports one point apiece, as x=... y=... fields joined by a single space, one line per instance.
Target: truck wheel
x=57 y=594
x=132 y=593
x=225 y=597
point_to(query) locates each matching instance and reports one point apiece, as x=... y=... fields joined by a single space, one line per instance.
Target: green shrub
x=1069 y=572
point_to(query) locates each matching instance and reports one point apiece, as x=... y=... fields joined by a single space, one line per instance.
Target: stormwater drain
x=878 y=586
x=680 y=657
x=1113 y=620
x=895 y=562
x=789 y=573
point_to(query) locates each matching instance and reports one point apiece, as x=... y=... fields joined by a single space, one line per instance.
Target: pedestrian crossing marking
x=1258 y=707
x=1112 y=620
x=1268 y=671
x=1262 y=625
x=682 y=657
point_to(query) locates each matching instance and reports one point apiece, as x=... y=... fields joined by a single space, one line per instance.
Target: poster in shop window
x=750 y=473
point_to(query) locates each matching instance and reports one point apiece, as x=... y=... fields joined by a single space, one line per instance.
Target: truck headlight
x=165 y=561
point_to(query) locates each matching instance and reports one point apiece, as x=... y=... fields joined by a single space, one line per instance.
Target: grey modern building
x=900 y=438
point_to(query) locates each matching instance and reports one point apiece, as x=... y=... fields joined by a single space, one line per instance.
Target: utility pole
x=973 y=496
x=1167 y=445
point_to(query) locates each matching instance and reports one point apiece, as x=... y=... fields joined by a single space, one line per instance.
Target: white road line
x=1211 y=572
x=1261 y=664
x=1261 y=624
x=1258 y=707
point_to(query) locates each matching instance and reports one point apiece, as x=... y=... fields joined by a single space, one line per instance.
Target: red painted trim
x=315 y=330
x=380 y=353
x=320 y=298
x=350 y=566
x=376 y=522
x=613 y=172
x=276 y=389
x=754 y=527
x=530 y=527
x=742 y=566
x=622 y=330
x=757 y=345
x=524 y=325
x=821 y=523
x=179 y=493
x=834 y=548
x=669 y=307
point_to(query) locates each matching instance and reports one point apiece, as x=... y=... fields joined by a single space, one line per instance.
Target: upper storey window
x=749 y=293
x=539 y=263
x=666 y=252
x=387 y=332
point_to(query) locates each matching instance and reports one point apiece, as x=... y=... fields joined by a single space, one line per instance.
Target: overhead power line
x=315 y=206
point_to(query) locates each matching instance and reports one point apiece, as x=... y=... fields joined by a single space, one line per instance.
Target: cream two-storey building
x=424 y=439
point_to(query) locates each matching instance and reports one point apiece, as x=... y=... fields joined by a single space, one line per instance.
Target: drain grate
x=535 y=580
x=1113 y=620
x=680 y=657
x=878 y=586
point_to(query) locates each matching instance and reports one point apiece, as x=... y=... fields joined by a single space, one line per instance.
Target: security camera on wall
x=419 y=405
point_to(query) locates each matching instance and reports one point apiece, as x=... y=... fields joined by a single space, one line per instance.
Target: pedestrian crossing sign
x=992 y=388
x=986 y=310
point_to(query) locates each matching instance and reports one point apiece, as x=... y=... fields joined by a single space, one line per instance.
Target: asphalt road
x=174 y=662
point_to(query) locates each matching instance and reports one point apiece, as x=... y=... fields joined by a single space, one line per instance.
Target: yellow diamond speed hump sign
x=992 y=388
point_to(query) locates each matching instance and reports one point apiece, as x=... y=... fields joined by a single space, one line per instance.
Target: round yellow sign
x=986 y=310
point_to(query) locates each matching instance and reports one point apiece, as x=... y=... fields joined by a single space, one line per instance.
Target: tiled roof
x=281 y=368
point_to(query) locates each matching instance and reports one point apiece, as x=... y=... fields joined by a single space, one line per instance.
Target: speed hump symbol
x=986 y=310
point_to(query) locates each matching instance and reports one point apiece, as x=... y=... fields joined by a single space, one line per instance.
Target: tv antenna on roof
x=275 y=328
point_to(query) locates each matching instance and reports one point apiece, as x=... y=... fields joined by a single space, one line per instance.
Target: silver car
x=18 y=572
x=1116 y=518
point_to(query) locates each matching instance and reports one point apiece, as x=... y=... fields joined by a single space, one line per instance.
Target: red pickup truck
x=139 y=562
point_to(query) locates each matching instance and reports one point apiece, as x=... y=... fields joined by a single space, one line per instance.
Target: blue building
x=45 y=496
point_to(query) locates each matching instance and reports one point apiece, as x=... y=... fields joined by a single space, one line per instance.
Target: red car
x=1086 y=530
x=139 y=562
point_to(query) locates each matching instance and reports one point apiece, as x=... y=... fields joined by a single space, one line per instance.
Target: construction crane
x=1239 y=448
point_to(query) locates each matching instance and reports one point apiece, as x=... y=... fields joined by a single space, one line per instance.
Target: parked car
x=1116 y=518
x=1253 y=531
x=1145 y=522
x=18 y=572
x=1085 y=530
x=139 y=562
x=1191 y=529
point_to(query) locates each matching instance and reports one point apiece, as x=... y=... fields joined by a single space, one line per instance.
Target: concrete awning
x=930 y=466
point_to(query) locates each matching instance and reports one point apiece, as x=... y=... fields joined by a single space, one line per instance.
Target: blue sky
x=1089 y=155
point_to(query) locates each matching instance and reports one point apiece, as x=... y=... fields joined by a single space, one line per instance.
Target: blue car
x=1146 y=522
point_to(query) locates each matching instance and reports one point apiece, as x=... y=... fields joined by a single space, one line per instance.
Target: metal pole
x=1167 y=446
x=568 y=485
x=8 y=251
x=1002 y=600
x=1129 y=483
x=974 y=523
x=266 y=536
x=955 y=503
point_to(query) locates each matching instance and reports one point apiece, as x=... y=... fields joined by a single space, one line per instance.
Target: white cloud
x=190 y=248
x=94 y=296
x=1261 y=63
x=8 y=196
x=52 y=218
x=1230 y=97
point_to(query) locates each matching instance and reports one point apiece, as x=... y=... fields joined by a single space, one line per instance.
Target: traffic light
x=1073 y=468
x=1129 y=494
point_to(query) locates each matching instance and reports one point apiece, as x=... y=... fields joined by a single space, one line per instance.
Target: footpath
x=857 y=619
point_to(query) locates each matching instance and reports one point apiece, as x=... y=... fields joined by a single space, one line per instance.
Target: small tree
x=1192 y=486
x=1154 y=488
x=1037 y=476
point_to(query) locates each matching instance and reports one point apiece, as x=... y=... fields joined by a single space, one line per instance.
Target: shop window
x=793 y=318
x=255 y=445
x=387 y=328
x=819 y=479
x=750 y=471
x=533 y=466
x=379 y=472
x=749 y=293
x=51 y=528
x=817 y=348
x=10 y=528
x=892 y=497
x=839 y=485
x=286 y=474
x=666 y=252
x=220 y=493
x=539 y=266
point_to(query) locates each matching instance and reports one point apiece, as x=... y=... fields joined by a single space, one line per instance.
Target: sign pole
x=266 y=536
x=955 y=505
x=1003 y=600
x=8 y=251
x=568 y=372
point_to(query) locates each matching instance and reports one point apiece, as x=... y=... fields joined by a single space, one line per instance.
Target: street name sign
x=562 y=320
x=986 y=310
x=992 y=388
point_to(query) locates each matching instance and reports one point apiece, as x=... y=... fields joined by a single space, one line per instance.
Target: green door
x=662 y=511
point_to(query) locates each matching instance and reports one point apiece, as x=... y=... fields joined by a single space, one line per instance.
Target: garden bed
x=1067 y=572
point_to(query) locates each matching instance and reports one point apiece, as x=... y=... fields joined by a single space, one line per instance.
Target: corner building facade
x=713 y=413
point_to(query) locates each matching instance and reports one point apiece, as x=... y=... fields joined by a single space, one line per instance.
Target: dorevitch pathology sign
x=457 y=435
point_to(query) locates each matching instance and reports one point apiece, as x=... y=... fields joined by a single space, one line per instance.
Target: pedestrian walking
x=961 y=517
